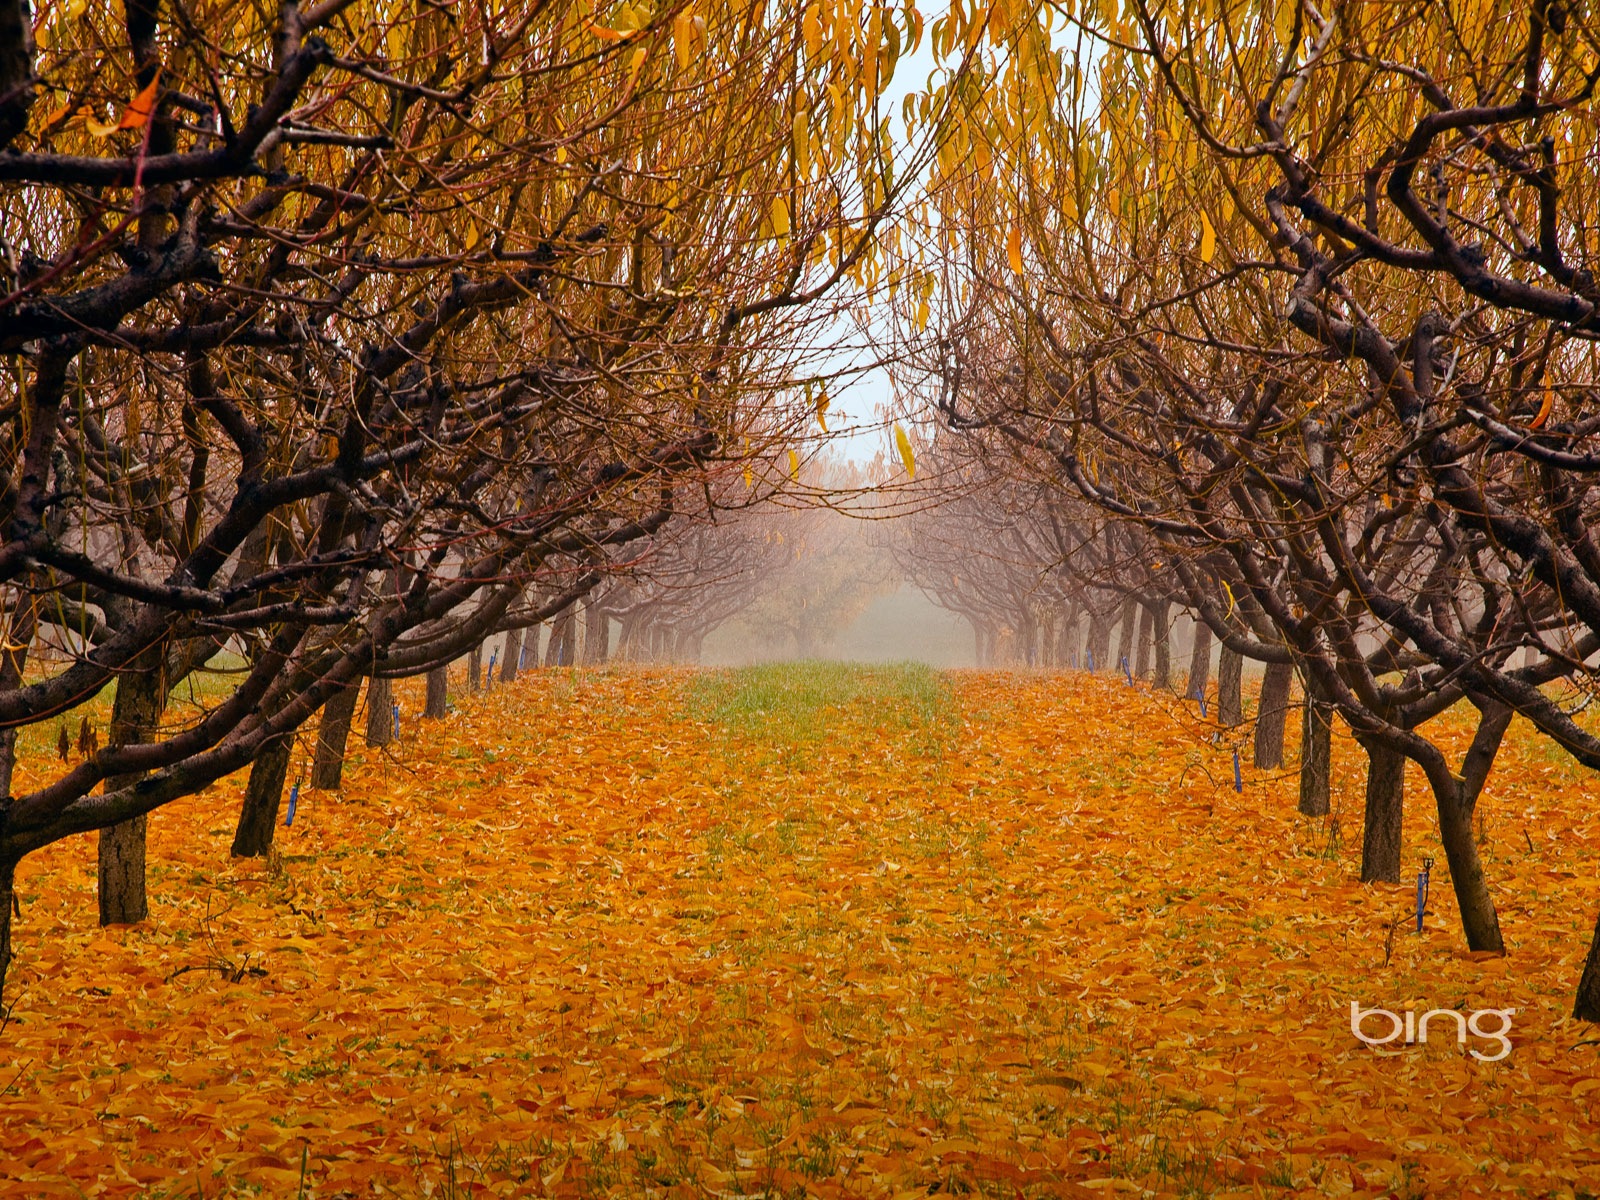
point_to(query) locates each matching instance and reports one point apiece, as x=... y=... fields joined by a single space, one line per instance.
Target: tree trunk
x=123 y=900
x=380 y=712
x=628 y=639
x=1316 y=751
x=8 y=901
x=513 y=657
x=1162 y=632
x=475 y=668
x=1585 y=1007
x=1456 y=799
x=596 y=636
x=1130 y=618
x=1380 y=842
x=438 y=705
x=1099 y=646
x=1068 y=642
x=1200 y=661
x=567 y=625
x=1270 y=716
x=1146 y=642
x=333 y=732
x=134 y=715
x=1230 y=679
x=258 y=816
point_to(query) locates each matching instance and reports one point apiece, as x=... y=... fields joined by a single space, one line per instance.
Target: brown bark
x=1230 y=687
x=135 y=713
x=8 y=901
x=513 y=657
x=1316 y=752
x=596 y=636
x=1200 y=661
x=1099 y=643
x=1381 y=839
x=333 y=733
x=16 y=69
x=1270 y=716
x=438 y=704
x=20 y=629
x=258 y=816
x=1147 y=638
x=123 y=899
x=380 y=712
x=563 y=639
x=1128 y=623
x=1585 y=1007
x=475 y=669
x=1161 y=633
x=1069 y=641
x=1456 y=799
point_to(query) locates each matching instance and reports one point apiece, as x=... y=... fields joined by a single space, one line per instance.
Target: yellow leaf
x=903 y=444
x=1208 y=239
x=133 y=116
x=1283 y=22
x=1544 y=409
x=749 y=478
x=811 y=27
x=802 y=142
x=794 y=465
x=470 y=239
x=141 y=106
x=683 y=38
x=1014 y=248
x=822 y=411
x=636 y=64
x=922 y=315
x=778 y=217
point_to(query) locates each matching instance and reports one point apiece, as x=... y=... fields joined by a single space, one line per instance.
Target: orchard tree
x=1315 y=317
x=335 y=330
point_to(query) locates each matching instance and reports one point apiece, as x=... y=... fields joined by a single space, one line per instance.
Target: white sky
x=855 y=405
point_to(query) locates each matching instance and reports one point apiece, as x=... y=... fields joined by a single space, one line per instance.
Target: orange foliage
x=573 y=942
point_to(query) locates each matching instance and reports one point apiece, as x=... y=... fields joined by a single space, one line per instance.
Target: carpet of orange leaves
x=577 y=940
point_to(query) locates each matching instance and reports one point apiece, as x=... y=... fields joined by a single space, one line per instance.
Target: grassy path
x=808 y=931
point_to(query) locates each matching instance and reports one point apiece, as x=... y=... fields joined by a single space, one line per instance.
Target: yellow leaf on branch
x=134 y=116
x=903 y=444
x=1014 y=248
x=1544 y=409
x=683 y=38
x=1208 y=239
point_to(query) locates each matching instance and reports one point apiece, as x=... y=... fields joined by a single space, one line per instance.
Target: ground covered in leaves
x=802 y=931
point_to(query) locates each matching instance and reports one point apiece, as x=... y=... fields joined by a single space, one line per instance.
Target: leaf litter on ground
x=803 y=931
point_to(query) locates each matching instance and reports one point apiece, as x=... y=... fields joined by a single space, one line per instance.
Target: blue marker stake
x=1422 y=891
x=294 y=799
x=396 y=720
x=1238 y=779
x=1091 y=660
x=1126 y=670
